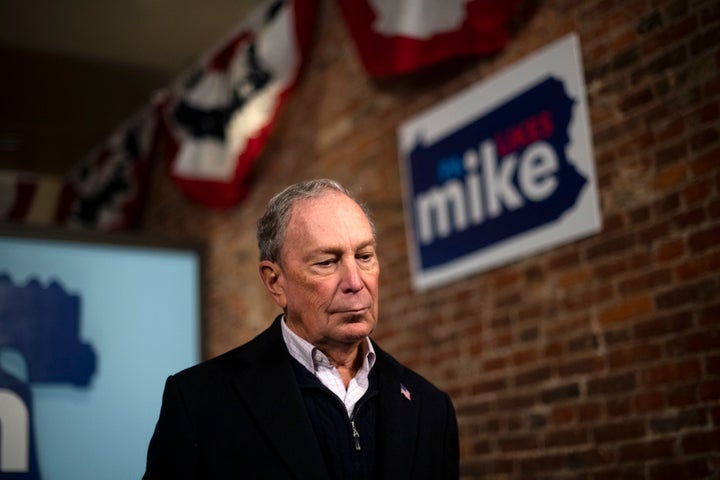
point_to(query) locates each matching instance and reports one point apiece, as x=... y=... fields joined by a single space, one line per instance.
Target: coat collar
x=271 y=393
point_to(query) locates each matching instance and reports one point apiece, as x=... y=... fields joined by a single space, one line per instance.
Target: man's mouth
x=351 y=311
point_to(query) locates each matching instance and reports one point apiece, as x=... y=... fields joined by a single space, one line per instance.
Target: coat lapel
x=270 y=391
x=397 y=421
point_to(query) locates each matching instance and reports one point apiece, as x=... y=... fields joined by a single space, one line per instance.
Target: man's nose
x=350 y=277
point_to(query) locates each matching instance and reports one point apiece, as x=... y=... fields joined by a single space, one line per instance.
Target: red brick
x=714 y=209
x=617 y=337
x=589 y=412
x=488 y=386
x=613 y=223
x=689 y=218
x=633 y=100
x=614 y=432
x=588 y=295
x=475 y=408
x=652 y=233
x=627 y=310
x=669 y=154
x=494 y=364
x=669 y=35
x=682 y=396
x=541 y=463
x=666 y=205
x=634 y=355
x=647 y=281
x=563 y=414
x=649 y=401
x=611 y=246
x=564 y=259
x=581 y=366
x=516 y=402
x=699 y=192
x=620 y=383
x=673 y=129
x=704 y=139
x=669 y=373
x=701 y=442
x=576 y=276
x=620 y=473
x=565 y=392
x=506 y=277
x=664 y=325
x=586 y=341
x=618 y=407
x=705 y=163
x=709 y=390
x=517 y=443
x=684 y=419
x=712 y=364
x=610 y=267
x=699 y=266
x=553 y=349
x=670 y=177
x=567 y=437
x=707 y=113
x=670 y=250
x=639 y=215
x=536 y=375
x=707 y=238
x=707 y=39
x=525 y=356
x=481 y=447
x=642 y=452
x=686 y=294
x=715 y=413
x=694 y=343
x=676 y=469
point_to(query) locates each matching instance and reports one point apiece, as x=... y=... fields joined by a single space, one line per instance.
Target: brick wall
x=596 y=360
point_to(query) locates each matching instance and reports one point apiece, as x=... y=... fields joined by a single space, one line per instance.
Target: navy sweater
x=348 y=444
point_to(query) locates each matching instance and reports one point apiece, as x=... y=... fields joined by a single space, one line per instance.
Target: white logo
x=419 y=19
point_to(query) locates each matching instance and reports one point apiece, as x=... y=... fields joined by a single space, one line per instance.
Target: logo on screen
x=41 y=325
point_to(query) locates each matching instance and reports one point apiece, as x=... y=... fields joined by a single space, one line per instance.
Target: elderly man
x=311 y=397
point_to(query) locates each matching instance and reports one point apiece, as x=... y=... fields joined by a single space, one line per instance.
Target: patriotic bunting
x=103 y=192
x=28 y=198
x=214 y=124
x=218 y=122
x=394 y=37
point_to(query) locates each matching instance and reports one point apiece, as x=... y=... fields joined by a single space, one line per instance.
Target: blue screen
x=137 y=310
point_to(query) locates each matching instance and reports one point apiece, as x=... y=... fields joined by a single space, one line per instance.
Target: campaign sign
x=500 y=171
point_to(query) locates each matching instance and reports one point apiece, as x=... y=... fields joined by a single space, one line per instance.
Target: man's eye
x=326 y=263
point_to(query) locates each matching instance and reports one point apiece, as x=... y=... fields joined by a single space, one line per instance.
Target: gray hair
x=271 y=226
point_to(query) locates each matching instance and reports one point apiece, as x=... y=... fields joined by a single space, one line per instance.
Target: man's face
x=328 y=277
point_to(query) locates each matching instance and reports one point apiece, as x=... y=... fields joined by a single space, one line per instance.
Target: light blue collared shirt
x=317 y=363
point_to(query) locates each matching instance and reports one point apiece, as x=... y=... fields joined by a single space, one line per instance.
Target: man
x=311 y=397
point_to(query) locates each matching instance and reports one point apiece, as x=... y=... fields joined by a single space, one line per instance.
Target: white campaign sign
x=500 y=171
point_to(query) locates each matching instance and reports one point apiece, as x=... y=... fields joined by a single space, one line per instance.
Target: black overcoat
x=241 y=415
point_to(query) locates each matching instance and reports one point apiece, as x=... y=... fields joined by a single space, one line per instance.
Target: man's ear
x=271 y=276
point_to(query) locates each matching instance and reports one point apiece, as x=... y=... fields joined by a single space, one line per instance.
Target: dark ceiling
x=74 y=70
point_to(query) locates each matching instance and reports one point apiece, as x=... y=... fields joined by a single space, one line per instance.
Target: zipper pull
x=356 y=435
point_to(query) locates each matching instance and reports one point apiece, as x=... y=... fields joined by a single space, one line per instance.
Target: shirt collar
x=311 y=357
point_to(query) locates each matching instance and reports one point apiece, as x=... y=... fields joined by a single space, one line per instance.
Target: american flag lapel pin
x=405 y=392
